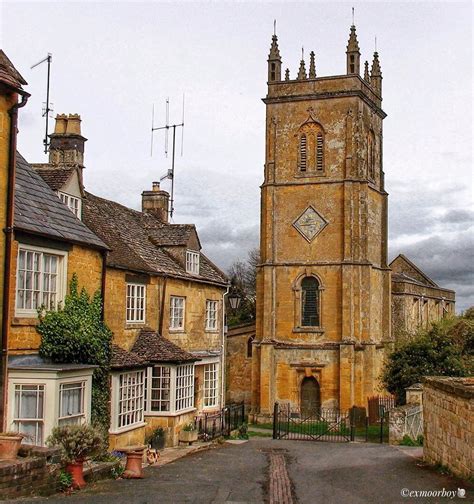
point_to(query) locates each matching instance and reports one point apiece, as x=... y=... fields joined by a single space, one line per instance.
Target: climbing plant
x=75 y=333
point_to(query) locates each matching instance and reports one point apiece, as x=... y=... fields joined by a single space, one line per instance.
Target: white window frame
x=177 y=313
x=72 y=202
x=77 y=418
x=192 y=261
x=180 y=393
x=211 y=385
x=212 y=310
x=128 y=400
x=61 y=278
x=135 y=303
x=18 y=420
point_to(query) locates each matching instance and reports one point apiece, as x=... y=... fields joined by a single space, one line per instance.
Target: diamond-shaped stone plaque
x=310 y=223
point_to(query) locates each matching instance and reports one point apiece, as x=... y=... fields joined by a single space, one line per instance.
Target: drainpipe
x=102 y=283
x=160 y=328
x=223 y=348
x=13 y=112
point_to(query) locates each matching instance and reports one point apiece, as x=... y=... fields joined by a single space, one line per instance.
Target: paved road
x=261 y=470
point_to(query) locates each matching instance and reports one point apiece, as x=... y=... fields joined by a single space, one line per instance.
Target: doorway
x=310 y=396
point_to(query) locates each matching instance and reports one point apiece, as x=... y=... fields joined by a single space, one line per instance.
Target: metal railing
x=220 y=423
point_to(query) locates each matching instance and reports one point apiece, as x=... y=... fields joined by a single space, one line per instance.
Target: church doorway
x=310 y=396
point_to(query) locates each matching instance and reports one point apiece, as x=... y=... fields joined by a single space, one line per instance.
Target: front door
x=310 y=396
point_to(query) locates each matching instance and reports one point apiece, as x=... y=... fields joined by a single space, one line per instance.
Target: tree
x=243 y=275
x=446 y=349
x=77 y=334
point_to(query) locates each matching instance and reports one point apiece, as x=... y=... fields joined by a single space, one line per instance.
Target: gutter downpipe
x=223 y=347
x=102 y=283
x=13 y=113
x=162 y=310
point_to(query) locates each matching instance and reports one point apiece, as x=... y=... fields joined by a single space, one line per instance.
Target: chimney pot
x=73 y=124
x=61 y=124
x=156 y=186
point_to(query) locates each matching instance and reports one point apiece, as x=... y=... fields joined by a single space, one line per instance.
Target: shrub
x=65 y=480
x=77 y=334
x=190 y=427
x=77 y=442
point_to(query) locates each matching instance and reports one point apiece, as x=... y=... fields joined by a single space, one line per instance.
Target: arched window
x=303 y=152
x=310 y=302
x=319 y=151
x=249 y=346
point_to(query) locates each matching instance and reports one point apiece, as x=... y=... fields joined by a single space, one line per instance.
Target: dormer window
x=73 y=203
x=192 y=262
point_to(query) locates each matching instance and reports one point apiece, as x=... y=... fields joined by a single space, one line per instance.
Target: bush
x=446 y=349
x=77 y=442
x=77 y=334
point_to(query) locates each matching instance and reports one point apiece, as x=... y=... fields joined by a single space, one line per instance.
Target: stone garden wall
x=449 y=423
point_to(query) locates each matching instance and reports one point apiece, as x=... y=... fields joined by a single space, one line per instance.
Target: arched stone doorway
x=310 y=396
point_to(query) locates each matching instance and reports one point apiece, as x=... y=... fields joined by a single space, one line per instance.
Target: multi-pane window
x=303 y=152
x=131 y=398
x=71 y=403
x=177 y=312
x=192 y=262
x=136 y=302
x=38 y=280
x=310 y=302
x=72 y=202
x=184 y=387
x=210 y=385
x=160 y=390
x=28 y=412
x=211 y=315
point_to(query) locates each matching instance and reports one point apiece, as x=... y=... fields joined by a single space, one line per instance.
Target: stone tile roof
x=137 y=239
x=38 y=210
x=55 y=178
x=154 y=348
x=123 y=359
x=9 y=75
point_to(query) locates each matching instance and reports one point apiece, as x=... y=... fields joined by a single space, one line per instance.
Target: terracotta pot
x=9 y=446
x=76 y=470
x=133 y=468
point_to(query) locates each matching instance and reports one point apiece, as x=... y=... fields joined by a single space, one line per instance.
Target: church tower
x=323 y=285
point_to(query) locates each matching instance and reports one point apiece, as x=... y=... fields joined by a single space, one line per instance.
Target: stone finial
x=366 y=72
x=302 y=71
x=287 y=74
x=312 y=66
x=353 y=53
x=376 y=74
x=274 y=61
x=274 y=50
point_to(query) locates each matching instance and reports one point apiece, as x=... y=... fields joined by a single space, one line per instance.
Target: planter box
x=188 y=436
x=9 y=446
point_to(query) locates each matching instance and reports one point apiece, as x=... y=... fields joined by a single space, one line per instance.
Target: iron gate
x=320 y=425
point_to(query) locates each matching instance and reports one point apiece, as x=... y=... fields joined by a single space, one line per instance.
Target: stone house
x=417 y=301
x=163 y=301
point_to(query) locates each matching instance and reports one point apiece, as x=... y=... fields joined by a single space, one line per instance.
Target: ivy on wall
x=76 y=334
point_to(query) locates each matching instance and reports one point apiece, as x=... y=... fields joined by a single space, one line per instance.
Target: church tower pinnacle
x=274 y=61
x=376 y=74
x=353 y=53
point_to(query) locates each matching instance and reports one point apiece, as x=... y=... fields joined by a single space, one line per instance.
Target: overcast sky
x=112 y=61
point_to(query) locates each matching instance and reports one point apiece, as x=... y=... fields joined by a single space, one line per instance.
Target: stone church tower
x=323 y=288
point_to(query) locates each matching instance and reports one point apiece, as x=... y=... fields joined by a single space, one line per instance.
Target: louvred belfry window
x=310 y=302
x=303 y=153
x=319 y=151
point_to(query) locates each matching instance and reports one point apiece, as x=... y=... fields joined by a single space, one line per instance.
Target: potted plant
x=157 y=439
x=10 y=444
x=189 y=433
x=77 y=442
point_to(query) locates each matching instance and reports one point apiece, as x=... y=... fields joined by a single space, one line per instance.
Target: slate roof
x=137 y=240
x=38 y=210
x=123 y=359
x=55 y=178
x=154 y=348
x=405 y=267
x=9 y=75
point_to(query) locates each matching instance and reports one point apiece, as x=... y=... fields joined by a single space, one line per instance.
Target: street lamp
x=234 y=299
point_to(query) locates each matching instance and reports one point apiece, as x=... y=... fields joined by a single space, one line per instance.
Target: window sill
x=25 y=320
x=177 y=331
x=215 y=331
x=134 y=325
x=309 y=174
x=128 y=428
x=308 y=330
x=169 y=413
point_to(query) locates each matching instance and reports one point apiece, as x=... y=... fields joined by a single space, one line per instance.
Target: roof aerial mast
x=166 y=128
x=47 y=107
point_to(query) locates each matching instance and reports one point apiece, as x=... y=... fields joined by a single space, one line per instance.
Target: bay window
x=170 y=389
x=40 y=280
x=71 y=403
x=28 y=416
x=128 y=400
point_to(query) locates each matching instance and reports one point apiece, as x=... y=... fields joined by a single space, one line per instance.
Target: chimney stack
x=67 y=143
x=156 y=202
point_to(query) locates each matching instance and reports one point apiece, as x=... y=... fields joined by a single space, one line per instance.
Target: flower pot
x=76 y=470
x=9 y=446
x=188 y=436
x=157 y=443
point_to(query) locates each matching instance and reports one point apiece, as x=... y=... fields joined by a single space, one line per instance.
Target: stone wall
x=449 y=423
